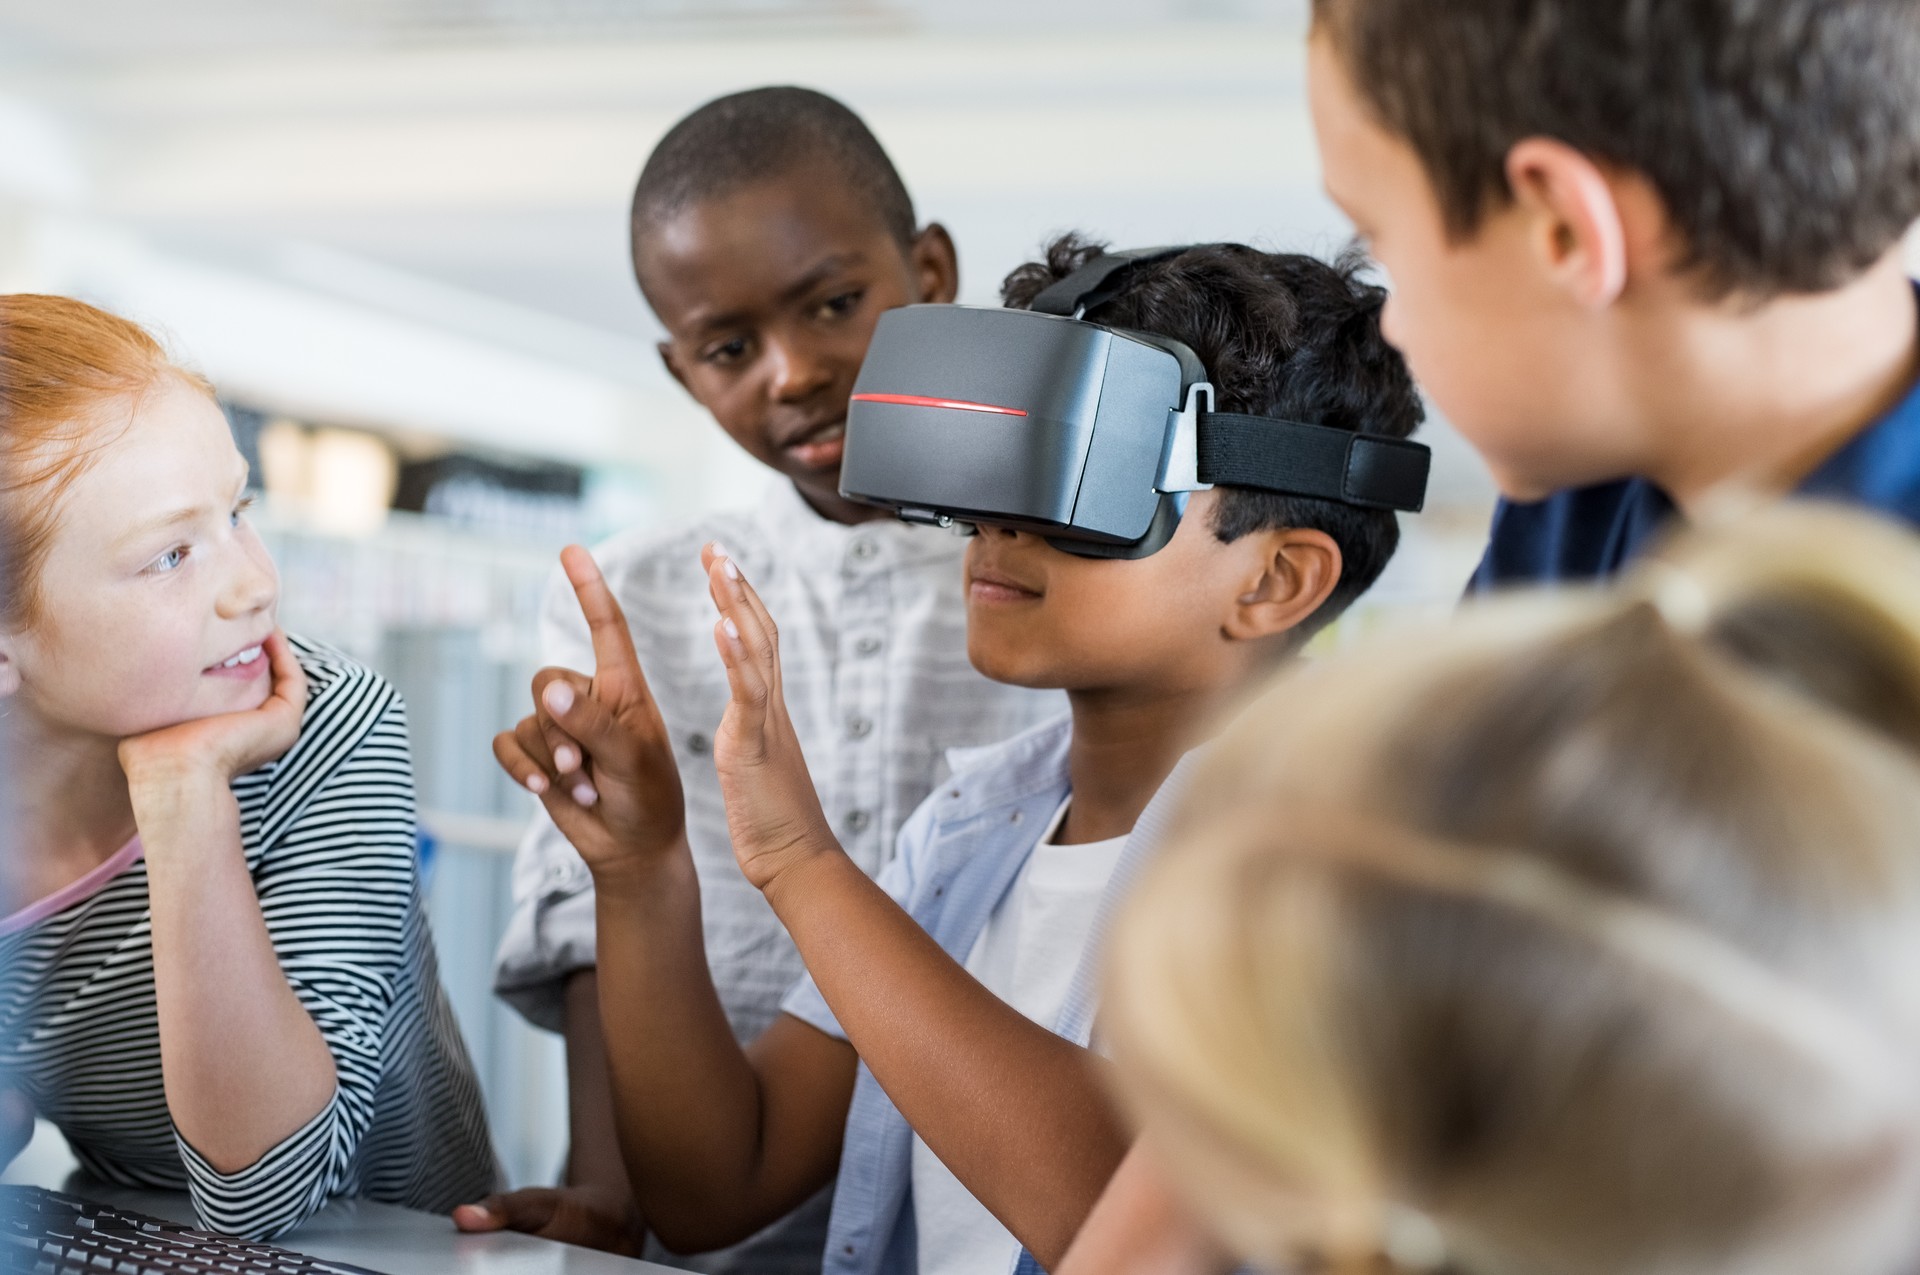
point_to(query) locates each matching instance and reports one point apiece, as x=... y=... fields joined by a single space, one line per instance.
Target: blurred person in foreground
x=1580 y=939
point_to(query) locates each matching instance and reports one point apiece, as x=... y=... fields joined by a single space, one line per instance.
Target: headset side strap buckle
x=1180 y=454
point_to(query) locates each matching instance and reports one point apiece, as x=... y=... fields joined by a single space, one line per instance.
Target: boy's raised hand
x=773 y=810
x=595 y=751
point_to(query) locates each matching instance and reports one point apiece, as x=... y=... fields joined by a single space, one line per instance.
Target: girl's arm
x=244 y=1064
x=279 y=987
x=718 y=1141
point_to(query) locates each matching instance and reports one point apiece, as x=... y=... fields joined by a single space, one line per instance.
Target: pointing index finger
x=606 y=622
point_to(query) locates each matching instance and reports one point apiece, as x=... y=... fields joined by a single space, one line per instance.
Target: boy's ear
x=1299 y=569
x=936 y=264
x=1575 y=224
x=673 y=368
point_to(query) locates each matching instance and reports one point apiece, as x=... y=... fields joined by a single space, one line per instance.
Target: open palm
x=773 y=810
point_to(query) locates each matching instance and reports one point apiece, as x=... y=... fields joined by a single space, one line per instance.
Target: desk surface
x=397 y=1241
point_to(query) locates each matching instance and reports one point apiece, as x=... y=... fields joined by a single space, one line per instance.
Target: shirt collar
x=1009 y=772
x=1878 y=467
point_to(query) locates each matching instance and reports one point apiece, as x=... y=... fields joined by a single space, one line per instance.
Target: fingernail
x=559 y=697
x=536 y=784
x=733 y=630
x=731 y=568
x=565 y=758
x=585 y=795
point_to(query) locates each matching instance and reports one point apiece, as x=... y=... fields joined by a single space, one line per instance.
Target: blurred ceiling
x=489 y=145
x=136 y=29
x=464 y=165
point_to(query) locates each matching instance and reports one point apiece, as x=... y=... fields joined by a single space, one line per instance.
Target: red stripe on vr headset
x=921 y=400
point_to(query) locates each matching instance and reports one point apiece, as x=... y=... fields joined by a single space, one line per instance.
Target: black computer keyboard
x=47 y=1233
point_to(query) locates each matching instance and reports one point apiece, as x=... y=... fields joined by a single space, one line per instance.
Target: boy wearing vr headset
x=770 y=231
x=935 y=1059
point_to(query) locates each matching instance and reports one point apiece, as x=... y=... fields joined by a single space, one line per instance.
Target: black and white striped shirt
x=328 y=833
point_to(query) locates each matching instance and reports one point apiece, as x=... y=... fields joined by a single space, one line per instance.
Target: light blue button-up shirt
x=959 y=854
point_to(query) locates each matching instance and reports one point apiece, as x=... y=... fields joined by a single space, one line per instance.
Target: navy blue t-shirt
x=1590 y=532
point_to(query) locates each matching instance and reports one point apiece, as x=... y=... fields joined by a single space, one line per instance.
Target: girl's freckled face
x=154 y=582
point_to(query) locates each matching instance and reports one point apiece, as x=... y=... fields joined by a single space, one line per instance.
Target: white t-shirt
x=1026 y=956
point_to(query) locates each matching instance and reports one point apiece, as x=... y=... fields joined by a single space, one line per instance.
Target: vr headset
x=1087 y=435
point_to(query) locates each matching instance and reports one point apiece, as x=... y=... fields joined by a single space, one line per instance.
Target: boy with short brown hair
x=1643 y=253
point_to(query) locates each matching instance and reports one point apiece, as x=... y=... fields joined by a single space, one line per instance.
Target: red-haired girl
x=221 y=979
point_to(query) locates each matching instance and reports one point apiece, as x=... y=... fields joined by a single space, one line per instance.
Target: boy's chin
x=998 y=666
x=820 y=486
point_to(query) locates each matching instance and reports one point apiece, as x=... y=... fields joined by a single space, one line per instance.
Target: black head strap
x=1288 y=457
x=1295 y=459
x=1100 y=280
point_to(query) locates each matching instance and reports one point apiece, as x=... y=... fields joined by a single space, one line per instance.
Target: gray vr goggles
x=1087 y=435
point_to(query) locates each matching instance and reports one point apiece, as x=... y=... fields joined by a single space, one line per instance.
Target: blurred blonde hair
x=1580 y=938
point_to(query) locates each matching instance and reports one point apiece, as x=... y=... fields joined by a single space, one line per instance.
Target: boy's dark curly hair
x=1280 y=334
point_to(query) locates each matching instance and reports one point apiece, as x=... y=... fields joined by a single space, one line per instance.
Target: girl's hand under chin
x=219 y=748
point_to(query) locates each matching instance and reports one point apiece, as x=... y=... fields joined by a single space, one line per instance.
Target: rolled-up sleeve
x=337 y=891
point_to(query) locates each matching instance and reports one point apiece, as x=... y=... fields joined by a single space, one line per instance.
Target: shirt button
x=868 y=645
x=699 y=744
x=859 y=820
x=864 y=550
x=859 y=727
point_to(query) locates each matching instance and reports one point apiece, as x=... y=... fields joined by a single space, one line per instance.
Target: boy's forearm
x=686 y=1100
x=1019 y=1114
